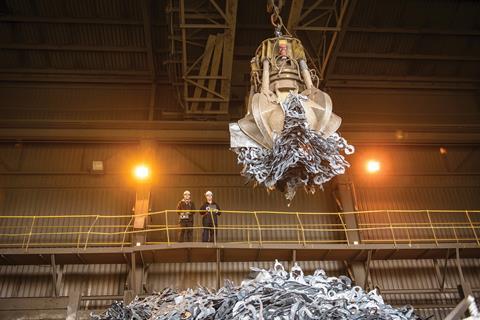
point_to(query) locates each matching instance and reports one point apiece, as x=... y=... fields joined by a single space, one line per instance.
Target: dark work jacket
x=207 y=216
x=182 y=205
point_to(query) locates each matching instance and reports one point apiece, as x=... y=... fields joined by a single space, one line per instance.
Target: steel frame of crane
x=202 y=35
x=321 y=24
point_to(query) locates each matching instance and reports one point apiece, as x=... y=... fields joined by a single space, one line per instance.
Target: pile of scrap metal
x=275 y=294
x=288 y=138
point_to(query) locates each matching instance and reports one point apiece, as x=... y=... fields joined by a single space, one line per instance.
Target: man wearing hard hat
x=186 y=217
x=210 y=211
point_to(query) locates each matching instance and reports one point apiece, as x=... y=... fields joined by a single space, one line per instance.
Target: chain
x=276 y=18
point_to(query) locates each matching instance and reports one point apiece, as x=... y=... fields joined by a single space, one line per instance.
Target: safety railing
x=253 y=227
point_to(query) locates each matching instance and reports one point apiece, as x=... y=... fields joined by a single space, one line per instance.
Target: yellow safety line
x=71 y=216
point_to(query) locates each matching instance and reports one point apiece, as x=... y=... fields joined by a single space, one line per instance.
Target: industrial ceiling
x=351 y=43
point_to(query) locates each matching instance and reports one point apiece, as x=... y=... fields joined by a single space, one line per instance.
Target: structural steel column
x=464 y=288
x=143 y=191
x=141 y=209
x=294 y=15
x=228 y=51
x=142 y=203
x=73 y=305
x=345 y=194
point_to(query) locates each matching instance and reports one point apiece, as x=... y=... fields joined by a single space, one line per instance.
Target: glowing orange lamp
x=141 y=172
x=373 y=166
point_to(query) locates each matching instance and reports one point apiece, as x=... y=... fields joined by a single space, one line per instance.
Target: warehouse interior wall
x=55 y=178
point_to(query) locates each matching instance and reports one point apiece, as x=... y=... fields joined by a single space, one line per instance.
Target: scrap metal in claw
x=285 y=91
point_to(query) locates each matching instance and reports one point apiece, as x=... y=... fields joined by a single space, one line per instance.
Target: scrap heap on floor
x=271 y=295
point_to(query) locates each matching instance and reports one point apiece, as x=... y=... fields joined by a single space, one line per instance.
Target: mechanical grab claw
x=288 y=137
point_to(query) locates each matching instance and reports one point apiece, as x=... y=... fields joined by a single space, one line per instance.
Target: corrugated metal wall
x=421 y=275
x=81 y=102
x=54 y=179
x=51 y=179
x=89 y=280
x=374 y=107
x=418 y=178
x=190 y=275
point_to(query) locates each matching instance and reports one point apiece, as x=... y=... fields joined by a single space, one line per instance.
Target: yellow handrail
x=75 y=216
x=112 y=230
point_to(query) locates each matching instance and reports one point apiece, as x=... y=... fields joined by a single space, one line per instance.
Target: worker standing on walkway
x=210 y=211
x=186 y=217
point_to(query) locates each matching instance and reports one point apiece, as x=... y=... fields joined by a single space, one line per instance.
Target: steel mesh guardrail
x=162 y=227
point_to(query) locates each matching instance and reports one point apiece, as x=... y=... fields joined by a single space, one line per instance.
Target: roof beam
x=305 y=28
x=74 y=71
x=75 y=79
x=310 y=9
x=449 y=32
x=331 y=58
x=35 y=19
x=55 y=47
x=93 y=21
x=203 y=26
x=228 y=52
x=401 y=78
x=399 y=56
x=294 y=15
x=147 y=34
x=78 y=76
x=189 y=132
x=217 y=7
x=384 y=84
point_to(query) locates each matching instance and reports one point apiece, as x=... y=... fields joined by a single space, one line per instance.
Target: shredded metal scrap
x=274 y=294
x=301 y=157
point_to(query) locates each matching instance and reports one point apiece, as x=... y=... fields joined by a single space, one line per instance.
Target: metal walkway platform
x=206 y=252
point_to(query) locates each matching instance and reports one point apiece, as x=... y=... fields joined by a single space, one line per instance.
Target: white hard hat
x=186 y=192
x=209 y=193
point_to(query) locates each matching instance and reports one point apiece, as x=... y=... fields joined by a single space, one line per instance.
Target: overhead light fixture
x=373 y=166
x=141 y=172
x=97 y=166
